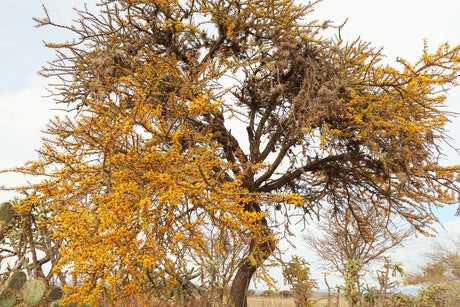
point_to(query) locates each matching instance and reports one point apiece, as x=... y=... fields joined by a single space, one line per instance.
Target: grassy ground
x=258 y=301
x=320 y=300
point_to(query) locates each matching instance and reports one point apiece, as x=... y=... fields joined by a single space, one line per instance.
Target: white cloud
x=412 y=255
x=23 y=115
x=452 y=228
x=7 y=44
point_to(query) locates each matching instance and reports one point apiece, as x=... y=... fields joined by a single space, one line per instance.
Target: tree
x=443 y=266
x=349 y=246
x=151 y=149
x=440 y=276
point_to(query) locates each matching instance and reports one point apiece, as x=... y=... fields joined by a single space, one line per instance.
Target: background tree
x=348 y=246
x=443 y=265
x=151 y=149
x=440 y=275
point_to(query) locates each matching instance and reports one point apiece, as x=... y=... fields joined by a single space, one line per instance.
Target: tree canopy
x=150 y=150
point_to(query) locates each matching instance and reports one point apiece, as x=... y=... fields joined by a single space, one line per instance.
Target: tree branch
x=310 y=167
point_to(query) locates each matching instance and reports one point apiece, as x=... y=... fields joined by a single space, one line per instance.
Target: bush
x=285 y=294
x=268 y=293
x=442 y=295
x=296 y=273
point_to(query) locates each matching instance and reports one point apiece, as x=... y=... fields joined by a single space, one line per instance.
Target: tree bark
x=260 y=249
x=240 y=285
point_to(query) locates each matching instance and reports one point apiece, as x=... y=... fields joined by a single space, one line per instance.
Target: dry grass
x=323 y=303
x=258 y=301
x=320 y=300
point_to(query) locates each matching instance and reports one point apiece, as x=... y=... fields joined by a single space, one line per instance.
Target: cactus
x=7 y=298
x=34 y=291
x=185 y=289
x=55 y=294
x=6 y=213
x=16 y=281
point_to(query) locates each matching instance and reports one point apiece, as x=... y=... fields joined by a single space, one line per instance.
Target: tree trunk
x=261 y=248
x=247 y=268
x=240 y=285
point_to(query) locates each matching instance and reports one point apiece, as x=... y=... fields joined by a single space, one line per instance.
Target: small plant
x=370 y=295
x=268 y=293
x=16 y=281
x=175 y=283
x=285 y=294
x=385 y=276
x=34 y=291
x=296 y=273
x=403 y=300
x=20 y=292
x=7 y=298
x=6 y=213
x=55 y=294
x=442 y=295
x=351 y=274
x=25 y=233
x=185 y=290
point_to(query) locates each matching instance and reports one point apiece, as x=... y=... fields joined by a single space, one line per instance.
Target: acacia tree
x=440 y=275
x=150 y=149
x=443 y=265
x=348 y=247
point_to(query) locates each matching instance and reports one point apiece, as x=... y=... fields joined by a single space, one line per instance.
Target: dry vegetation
x=319 y=300
x=260 y=301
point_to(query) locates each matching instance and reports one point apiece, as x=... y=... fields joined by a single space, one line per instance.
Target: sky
x=398 y=26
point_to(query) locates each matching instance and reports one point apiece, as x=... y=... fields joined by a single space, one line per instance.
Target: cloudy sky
x=398 y=26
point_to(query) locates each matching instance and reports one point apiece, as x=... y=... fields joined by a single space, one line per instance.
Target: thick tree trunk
x=261 y=249
x=240 y=285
